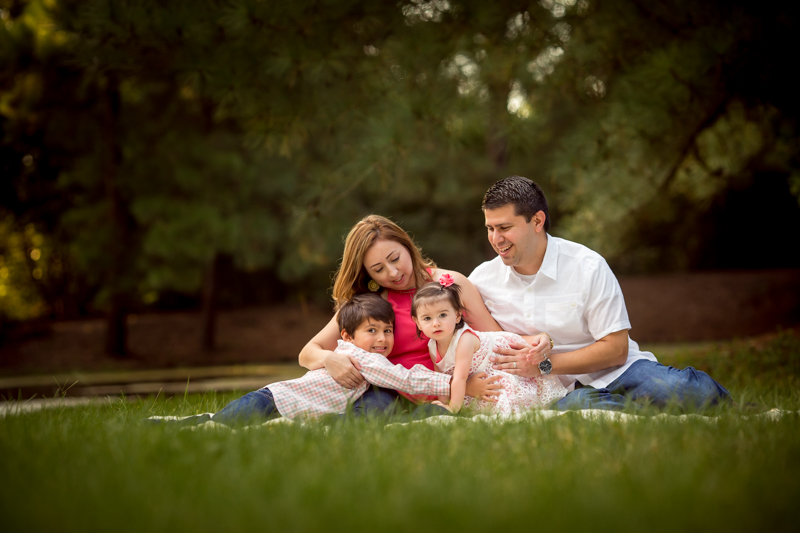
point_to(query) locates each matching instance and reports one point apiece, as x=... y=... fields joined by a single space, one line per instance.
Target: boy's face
x=373 y=336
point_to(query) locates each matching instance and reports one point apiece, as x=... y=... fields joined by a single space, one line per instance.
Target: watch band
x=549 y=338
x=546 y=366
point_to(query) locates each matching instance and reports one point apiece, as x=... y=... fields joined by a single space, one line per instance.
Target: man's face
x=515 y=240
x=373 y=336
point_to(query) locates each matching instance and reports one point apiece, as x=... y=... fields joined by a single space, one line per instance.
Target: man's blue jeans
x=649 y=382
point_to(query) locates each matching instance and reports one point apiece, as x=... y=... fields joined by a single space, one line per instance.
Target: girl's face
x=437 y=319
x=389 y=263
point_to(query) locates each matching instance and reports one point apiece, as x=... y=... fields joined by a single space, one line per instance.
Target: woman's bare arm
x=318 y=353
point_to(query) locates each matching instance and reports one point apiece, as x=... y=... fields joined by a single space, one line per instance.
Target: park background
x=177 y=178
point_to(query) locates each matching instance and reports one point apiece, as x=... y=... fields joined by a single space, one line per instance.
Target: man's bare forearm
x=608 y=352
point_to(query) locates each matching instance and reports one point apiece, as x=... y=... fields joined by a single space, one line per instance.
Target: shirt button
x=528 y=315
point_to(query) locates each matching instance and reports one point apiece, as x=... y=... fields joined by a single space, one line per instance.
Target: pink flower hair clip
x=446 y=280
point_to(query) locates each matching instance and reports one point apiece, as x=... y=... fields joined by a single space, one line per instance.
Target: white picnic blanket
x=595 y=414
x=533 y=416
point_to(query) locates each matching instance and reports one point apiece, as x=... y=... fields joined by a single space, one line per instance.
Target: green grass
x=97 y=468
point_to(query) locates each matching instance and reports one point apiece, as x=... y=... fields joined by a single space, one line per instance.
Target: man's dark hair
x=525 y=195
x=361 y=307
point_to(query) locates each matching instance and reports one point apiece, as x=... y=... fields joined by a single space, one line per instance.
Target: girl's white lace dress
x=519 y=394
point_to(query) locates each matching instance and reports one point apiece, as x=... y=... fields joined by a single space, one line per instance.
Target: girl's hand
x=442 y=404
x=344 y=369
x=482 y=388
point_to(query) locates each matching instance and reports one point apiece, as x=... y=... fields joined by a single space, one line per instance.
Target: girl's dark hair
x=435 y=291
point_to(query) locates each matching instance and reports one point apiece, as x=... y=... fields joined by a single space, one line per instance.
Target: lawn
x=96 y=468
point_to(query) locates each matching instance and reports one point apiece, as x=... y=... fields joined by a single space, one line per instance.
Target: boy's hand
x=441 y=404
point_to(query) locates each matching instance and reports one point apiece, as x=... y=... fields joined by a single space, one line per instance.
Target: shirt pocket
x=563 y=314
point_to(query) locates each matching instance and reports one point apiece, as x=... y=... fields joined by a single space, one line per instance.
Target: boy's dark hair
x=361 y=307
x=525 y=195
x=436 y=291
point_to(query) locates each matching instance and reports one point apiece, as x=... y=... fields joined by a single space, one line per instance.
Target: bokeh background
x=177 y=177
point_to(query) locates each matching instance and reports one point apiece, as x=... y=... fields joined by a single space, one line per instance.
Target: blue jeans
x=387 y=402
x=259 y=406
x=253 y=408
x=648 y=381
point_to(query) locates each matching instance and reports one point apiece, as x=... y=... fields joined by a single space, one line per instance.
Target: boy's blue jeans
x=649 y=381
x=254 y=407
x=259 y=406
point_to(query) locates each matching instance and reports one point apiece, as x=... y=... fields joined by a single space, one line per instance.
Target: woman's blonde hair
x=351 y=277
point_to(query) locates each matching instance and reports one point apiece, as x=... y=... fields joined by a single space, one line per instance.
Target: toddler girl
x=458 y=350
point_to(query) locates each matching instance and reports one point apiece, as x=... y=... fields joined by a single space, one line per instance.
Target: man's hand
x=344 y=369
x=482 y=388
x=521 y=359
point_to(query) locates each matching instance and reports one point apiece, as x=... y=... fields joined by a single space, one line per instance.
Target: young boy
x=367 y=324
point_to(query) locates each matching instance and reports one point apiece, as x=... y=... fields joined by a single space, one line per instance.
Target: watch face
x=545 y=367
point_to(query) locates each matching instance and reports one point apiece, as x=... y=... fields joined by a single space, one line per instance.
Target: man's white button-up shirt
x=574 y=297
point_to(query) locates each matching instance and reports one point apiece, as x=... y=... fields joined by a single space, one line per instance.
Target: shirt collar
x=549 y=264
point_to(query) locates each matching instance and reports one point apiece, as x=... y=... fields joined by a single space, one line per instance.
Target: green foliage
x=674 y=114
x=23 y=256
x=261 y=130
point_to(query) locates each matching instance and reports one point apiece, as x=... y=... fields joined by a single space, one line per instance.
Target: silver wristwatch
x=545 y=367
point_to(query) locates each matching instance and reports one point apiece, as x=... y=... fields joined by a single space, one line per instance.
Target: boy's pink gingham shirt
x=317 y=393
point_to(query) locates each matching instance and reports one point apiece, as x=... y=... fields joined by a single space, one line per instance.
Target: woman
x=380 y=257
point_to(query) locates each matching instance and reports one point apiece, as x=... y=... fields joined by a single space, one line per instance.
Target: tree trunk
x=497 y=137
x=210 y=292
x=116 y=332
x=116 y=327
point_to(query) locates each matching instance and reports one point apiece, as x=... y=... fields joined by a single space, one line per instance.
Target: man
x=542 y=285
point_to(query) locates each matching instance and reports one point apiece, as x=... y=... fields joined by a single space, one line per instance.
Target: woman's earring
x=373 y=285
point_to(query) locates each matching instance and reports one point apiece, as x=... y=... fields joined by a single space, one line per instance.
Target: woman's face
x=389 y=263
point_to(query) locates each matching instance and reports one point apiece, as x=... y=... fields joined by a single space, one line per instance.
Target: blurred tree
x=157 y=186
x=153 y=141
x=664 y=107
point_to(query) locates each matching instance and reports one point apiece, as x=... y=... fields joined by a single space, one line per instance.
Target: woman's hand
x=482 y=388
x=344 y=369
